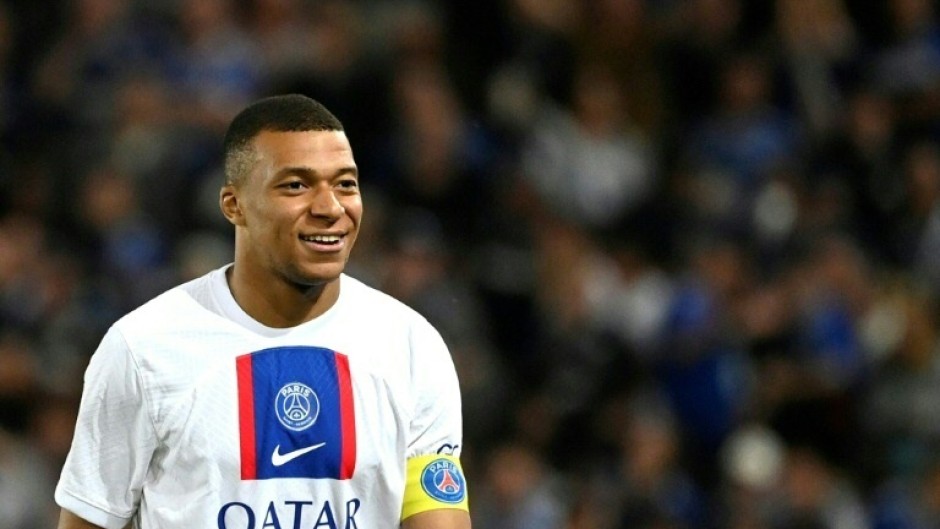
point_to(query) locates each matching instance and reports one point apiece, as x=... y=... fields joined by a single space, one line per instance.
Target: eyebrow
x=309 y=171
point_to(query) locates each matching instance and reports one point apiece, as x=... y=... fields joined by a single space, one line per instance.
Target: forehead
x=312 y=148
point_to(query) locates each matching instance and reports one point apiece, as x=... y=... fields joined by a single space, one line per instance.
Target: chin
x=316 y=276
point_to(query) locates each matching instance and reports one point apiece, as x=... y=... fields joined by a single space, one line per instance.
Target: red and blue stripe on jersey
x=296 y=414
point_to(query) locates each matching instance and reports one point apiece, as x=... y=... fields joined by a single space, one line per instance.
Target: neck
x=280 y=304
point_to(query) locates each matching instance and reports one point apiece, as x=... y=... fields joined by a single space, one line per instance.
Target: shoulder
x=372 y=302
x=390 y=318
x=181 y=306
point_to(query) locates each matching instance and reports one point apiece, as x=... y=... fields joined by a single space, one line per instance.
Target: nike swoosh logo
x=278 y=459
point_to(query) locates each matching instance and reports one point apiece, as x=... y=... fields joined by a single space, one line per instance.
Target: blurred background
x=686 y=253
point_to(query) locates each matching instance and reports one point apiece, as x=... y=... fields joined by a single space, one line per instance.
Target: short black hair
x=280 y=113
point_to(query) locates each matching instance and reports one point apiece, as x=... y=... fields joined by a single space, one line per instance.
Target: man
x=276 y=392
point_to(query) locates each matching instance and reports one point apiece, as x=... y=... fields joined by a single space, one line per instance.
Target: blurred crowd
x=686 y=253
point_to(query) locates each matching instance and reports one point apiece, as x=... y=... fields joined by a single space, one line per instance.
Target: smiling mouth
x=324 y=242
x=322 y=239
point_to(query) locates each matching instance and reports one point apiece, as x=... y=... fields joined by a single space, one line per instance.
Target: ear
x=228 y=203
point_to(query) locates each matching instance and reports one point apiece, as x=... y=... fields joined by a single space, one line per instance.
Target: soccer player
x=275 y=392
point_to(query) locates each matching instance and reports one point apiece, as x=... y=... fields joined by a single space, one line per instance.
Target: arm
x=67 y=520
x=439 y=519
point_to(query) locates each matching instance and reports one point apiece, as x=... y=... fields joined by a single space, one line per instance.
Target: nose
x=326 y=204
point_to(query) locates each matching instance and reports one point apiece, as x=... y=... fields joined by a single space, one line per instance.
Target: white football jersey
x=195 y=415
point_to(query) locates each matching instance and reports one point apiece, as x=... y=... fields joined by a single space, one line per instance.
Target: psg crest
x=297 y=406
x=442 y=480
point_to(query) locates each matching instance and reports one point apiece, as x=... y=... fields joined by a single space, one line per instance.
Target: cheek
x=354 y=210
x=271 y=223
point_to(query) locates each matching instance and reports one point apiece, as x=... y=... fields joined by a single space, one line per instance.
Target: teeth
x=323 y=238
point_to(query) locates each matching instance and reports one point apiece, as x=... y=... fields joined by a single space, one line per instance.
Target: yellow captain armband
x=434 y=482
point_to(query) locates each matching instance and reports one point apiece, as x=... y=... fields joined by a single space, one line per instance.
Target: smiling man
x=276 y=392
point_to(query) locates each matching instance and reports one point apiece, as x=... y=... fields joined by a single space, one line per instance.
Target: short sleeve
x=114 y=440
x=434 y=476
x=436 y=426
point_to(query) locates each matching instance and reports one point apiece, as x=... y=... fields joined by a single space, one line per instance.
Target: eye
x=348 y=183
x=293 y=185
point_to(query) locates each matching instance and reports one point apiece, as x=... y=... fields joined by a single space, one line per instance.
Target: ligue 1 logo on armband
x=442 y=480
